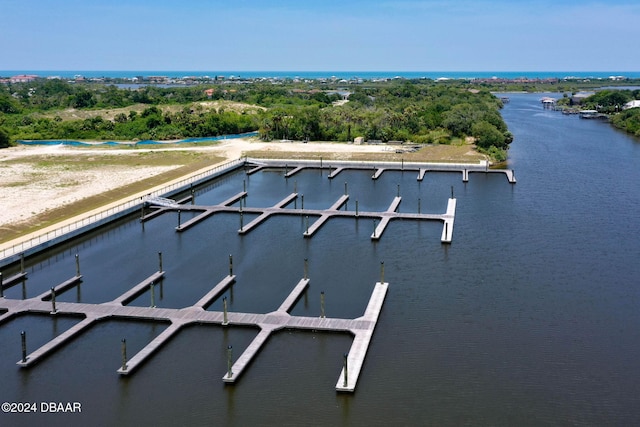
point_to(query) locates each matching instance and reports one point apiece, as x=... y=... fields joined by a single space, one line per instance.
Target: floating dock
x=362 y=328
x=378 y=168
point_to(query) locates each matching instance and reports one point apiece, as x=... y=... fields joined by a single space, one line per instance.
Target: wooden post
x=225 y=320
x=160 y=261
x=124 y=354
x=302 y=201
x=77 y=265
x=230 y=265
x=307 y=221
x=356 y=208
x=320 y=164
x=244 y=185
x=345 y=188
x=22 y=263
x=306 y=268
x=381 y=271
x=53 y=301
x=402 y=164
x=374 y=228
x=322 y=304
x=418 y=204
x=1 y=286
x=452 y=191
x=241 y=221
x=229 y=359
x=193 y=195
x=153 y=295
x=23 y=338
x=179 y=212
x=398 y=190
x=346 y=374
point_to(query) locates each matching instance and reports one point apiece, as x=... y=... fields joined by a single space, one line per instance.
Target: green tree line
x=420 y=111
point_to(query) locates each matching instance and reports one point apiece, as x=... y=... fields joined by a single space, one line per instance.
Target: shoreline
x=50 y=177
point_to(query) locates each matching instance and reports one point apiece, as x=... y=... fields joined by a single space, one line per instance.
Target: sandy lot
x=27 y=189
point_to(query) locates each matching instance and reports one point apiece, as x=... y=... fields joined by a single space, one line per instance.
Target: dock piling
x=356 y=207
x=23 y=338
x=160 y=261
x=124 y=354
x=244 y=185
x=307 y=224
x=345 y=188
x=153 y=295
x=225 y=319
x=374 y=228
x=302 y=201
x=77 y=265
x=53 y=301
x=22 y=263
x=322 y=305
x=418 y=204
x=398 y=190
x=452 y=192
x=346 y=375
x=306 y=268
x=179 y=215
x=1 y=287
x=230 y=265
x=241 y=221
x=229 y=361
x=381 y=271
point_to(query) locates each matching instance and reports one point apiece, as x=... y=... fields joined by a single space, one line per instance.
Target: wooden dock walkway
x=266 y=213
x=208 y=211
x=380 y=167
x=62 y=287
x=13 y=280
x=323 y=215
x=362 y=328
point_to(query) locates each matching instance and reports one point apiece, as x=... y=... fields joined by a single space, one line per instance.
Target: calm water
x=530 y=317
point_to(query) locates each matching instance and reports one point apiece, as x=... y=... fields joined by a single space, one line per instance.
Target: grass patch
x=191 y=162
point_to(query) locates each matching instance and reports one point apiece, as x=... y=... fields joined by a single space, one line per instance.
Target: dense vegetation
x=611 y=102
x=420 y=111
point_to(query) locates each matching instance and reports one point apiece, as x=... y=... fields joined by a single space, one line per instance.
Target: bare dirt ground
x=38 y=181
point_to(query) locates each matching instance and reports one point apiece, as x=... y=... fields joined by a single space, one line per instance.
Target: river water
x=530 y=317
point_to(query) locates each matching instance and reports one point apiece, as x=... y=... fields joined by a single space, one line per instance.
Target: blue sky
x=373 y=35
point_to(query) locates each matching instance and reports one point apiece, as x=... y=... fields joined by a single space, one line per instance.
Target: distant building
x=579 y=97
x=631 y=104
x=548 y=102
x=23 y=78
